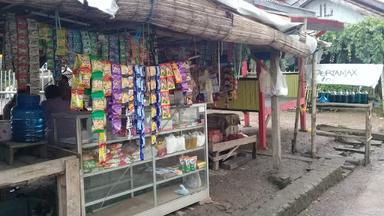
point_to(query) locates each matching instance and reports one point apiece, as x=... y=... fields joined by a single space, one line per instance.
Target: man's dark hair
x=52 y=91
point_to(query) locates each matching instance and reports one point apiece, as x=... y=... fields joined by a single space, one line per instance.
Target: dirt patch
x=232 y=192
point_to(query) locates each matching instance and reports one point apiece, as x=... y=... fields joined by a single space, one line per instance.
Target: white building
x=346 y=11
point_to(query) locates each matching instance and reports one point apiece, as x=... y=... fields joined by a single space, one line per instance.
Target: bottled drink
x=27 y=119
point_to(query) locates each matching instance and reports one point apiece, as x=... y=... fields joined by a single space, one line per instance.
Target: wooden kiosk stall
x=134 y=155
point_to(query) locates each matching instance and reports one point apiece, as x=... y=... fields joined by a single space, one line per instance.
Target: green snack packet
x=98 y=101
x=97 y=81
x=98 y=121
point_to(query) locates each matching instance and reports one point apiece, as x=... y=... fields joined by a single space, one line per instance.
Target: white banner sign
x=348 y=74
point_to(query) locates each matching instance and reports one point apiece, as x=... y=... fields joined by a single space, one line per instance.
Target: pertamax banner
x=348 y=74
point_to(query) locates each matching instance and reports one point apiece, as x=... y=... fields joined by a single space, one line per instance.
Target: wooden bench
x=9 y=148
x=223 y=150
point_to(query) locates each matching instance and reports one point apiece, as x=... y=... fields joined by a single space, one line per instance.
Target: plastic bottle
x=351 y=98
x=332 y=97
x=27 y=119
x=358 y=97
x=365 y=97
x=328 y=95
x=346 y=97
x=340 y=97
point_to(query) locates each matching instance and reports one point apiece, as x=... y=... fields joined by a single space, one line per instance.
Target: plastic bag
x=265 y=81
x=192 y=181
x=280 y=88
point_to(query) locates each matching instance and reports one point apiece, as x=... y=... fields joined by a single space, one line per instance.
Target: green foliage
x=362 y=42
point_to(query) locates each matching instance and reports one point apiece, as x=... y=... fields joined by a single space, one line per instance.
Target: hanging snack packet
x=98 y=121
x=165 y=99
x=163 y=84
x=176 y=72
x=130 y=70
x=163 y=70
x=166 y=112
x=61 y=46
x=107 y=82
x=86 y=41
x=171 y=83
x=124 y=97
x=153 y=139
x=98 y=101
x=131 y=107
x=96 y=64
x=83 y=61
x=85 y=78
x=124 y=70
x=77 y=99
x=107 y=68
x=125 y=82
x=102 y=147
x=97 y=81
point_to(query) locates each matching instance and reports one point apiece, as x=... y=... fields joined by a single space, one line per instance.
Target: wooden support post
x=262 y=123
x=276 y=142
x=302 y=84
x=368 y=135
x=68 y=187
x=314 y=106
x=247 y=121
x=382 y=91
x=298 y=107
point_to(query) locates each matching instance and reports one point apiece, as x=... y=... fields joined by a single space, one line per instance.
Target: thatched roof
x=200 y=18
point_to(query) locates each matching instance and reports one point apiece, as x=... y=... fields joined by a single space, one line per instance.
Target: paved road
x=371 y=201
x=360 y=194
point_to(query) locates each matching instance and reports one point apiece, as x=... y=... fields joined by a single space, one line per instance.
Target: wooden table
x=216 y=150
x=9 y=148
x=66 y=169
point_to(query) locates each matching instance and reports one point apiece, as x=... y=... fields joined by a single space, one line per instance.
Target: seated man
x=12 y=103
x=54 y=103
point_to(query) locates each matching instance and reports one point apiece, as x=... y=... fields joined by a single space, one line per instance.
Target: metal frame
x=158 y=208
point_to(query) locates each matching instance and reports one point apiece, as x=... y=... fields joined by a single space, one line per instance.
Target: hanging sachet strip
x=139 y=107
x=34 y=60
x=22 y=69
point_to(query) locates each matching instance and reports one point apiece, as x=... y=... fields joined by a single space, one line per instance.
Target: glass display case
x=173 y=174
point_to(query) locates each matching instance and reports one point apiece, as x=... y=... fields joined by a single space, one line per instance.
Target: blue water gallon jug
x=27 y=119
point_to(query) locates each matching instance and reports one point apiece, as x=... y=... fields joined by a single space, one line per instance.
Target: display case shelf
x=115 y=168
x=125 y=186
x=179 y=176
x=181 y=152
x=109 y=197
x=125 y=139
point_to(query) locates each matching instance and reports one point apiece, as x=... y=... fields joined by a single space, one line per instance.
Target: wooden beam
x=222 y=146
x=298 y=106
x=382 y=90
x=276 y=140
x=25 y=173
x=357 y=132
x=314 y=106
x=262 y=111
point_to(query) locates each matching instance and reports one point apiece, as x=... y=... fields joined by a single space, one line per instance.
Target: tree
x=362 y=42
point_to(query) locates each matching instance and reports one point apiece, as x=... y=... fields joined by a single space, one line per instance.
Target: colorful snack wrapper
x=97 y=81
x=98 y=121
x=77 y=99
x=102 y=147
x=98 y=101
